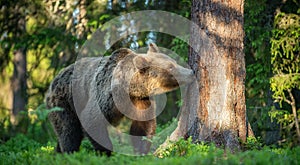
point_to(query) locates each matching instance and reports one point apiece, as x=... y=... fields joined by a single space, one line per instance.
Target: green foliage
x=42 y=112
x=161 y=127
x=22 y=150
x=281 y=83
x=285 y=44
x=286 y=65
x=33 y=124
x=183 y=148
x=271 y=47
x=39 y=127
x=181 y=48
x=258 y=25
x=19 y=143
x=284 y=117
x=51 y=41
x=253 y=143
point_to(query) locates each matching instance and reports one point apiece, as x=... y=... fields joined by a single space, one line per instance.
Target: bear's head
x=137 y=78
x=156 y=73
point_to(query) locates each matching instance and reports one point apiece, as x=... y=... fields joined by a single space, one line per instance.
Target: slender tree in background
x=14 y=29
x=20 y=36
x=218 y=112
x=81 y=27
x=19 y=82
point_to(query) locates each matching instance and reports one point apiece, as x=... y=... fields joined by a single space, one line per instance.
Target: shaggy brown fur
x=107 y=82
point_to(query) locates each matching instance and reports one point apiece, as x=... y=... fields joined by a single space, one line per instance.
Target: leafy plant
x=286 y=66
x=253 y=143
x=22 y=150
x=183 y=148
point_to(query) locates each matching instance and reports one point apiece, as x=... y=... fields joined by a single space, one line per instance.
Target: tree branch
x=284 y=99
x=293 y=104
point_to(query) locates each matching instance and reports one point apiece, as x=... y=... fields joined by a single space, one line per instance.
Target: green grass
x=22 y=150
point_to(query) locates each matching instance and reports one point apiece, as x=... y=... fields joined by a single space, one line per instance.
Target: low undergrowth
x=22 y=150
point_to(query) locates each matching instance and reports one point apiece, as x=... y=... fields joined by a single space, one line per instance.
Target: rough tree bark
x=217 y=113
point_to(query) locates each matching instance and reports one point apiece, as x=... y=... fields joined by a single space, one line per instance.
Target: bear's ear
x=140 y=62
x=153 y=48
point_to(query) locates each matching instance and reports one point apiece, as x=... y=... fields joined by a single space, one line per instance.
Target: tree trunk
x=18 y=84
x=19 y=79
x=81 y=27
x=217 y=113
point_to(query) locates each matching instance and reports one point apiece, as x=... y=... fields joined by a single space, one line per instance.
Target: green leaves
x=42 y=112
x=285 y=58
x=281 y=83
x=285 y=45
x=22 y=150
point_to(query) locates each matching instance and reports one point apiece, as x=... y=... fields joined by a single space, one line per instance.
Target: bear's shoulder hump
x=119 y=54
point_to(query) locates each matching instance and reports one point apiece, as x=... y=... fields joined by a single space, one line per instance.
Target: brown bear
x=98 y=91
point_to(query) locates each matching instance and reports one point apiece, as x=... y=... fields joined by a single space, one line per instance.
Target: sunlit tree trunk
x=217 y=113
x=81 y=27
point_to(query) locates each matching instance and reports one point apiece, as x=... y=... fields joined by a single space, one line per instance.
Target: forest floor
x=22 y=150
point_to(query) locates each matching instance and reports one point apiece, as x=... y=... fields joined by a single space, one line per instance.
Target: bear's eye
x=143 y=70
x=171 y=67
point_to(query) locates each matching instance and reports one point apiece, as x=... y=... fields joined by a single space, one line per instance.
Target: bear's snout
x=184 y=76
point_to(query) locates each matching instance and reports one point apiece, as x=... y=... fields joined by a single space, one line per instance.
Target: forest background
x=38 y=38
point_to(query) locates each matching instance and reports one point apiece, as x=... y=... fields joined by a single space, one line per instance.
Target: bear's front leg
x=139 y=129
